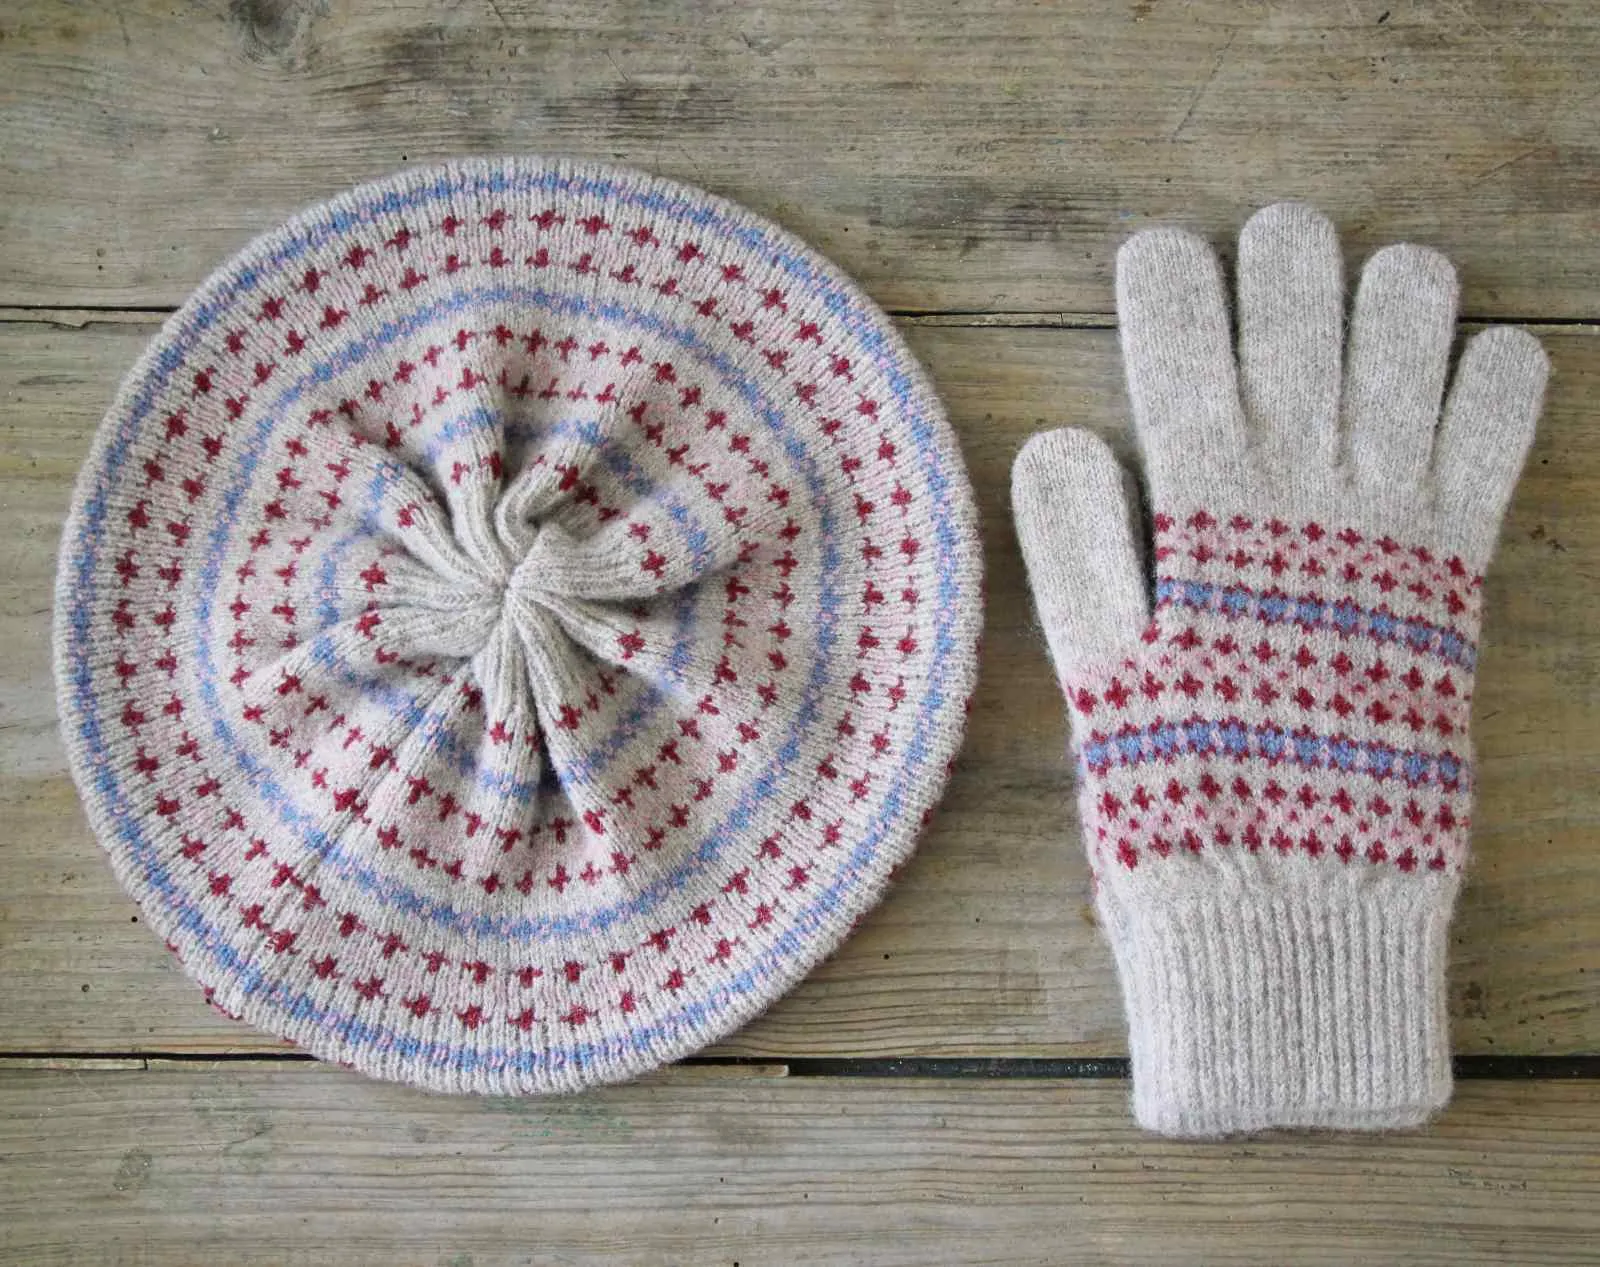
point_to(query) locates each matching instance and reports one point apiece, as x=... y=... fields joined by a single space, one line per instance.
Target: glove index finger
x=1073 y=503
x=1177 y=350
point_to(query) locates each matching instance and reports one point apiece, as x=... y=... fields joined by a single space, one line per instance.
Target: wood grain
x=980 y=156
x=259 y=1164
x=985 y=947
x=980 y=161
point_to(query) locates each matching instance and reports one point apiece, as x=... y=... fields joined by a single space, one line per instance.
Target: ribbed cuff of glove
x=1316 y=1010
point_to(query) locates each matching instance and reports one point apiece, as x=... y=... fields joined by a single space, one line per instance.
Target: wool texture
x=513 y=621
x=1273 y=760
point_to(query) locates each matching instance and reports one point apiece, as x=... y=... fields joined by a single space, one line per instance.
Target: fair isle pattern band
x=1327 y=723
x=513 y=622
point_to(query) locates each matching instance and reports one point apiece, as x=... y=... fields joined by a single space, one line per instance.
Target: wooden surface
x=975 y=166
x=267 y=1166
x=971 y=156
x=986 y=945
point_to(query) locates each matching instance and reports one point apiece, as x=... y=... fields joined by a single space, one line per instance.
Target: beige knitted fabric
x=1273 y=760
x=514 y=621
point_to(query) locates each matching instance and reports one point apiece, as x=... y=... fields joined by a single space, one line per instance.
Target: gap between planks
x=78 y=318
x=75 y=318
x=942 y=1068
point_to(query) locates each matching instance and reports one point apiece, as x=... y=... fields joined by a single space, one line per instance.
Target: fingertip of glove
x=1065 y=456
x=1511 y=347
x=1297 y=223
x=1413 y=267
x=1162 y=249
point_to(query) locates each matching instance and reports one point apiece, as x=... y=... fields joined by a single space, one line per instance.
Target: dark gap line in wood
x=945 y=1068
x=957 y=318
x=978 y=318
x=1487 y=1068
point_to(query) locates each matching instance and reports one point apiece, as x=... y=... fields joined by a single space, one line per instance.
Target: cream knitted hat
x=513 y=621
x=1275 y=779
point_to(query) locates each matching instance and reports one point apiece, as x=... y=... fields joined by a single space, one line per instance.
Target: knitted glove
x=1275 y=778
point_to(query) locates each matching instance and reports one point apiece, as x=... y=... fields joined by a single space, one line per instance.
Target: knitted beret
x=513 y=621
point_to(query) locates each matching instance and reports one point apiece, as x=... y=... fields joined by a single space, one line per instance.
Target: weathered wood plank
x=985 y=947
x=977 y=156
x=270 y=1164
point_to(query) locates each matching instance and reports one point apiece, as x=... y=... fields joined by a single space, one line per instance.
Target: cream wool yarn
x=513 y=621
x=1274 y=772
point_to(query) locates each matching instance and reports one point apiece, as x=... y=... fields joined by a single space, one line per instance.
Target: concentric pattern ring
x=513 y=621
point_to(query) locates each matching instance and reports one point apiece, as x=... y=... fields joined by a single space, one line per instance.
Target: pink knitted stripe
x=1331 y=723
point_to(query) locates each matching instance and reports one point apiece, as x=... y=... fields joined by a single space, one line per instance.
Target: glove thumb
x=1073 y=504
